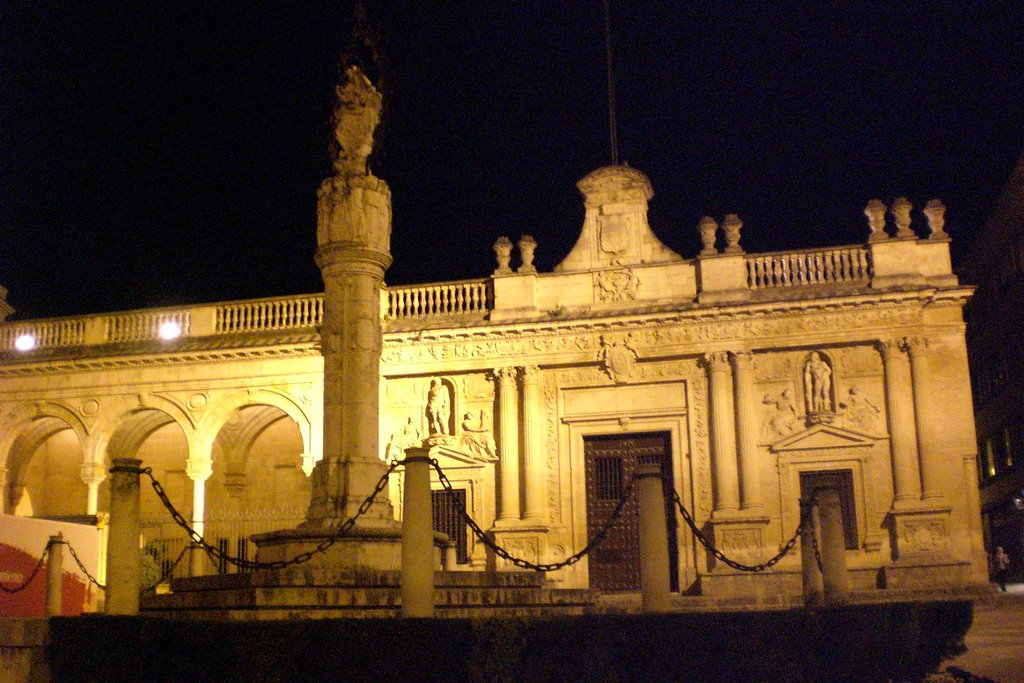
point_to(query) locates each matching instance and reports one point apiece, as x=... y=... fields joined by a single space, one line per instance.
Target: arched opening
x=44 y=471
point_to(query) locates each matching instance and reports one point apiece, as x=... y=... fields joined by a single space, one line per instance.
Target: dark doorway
x=610 y=463
x=842 y=481
x=448 y=521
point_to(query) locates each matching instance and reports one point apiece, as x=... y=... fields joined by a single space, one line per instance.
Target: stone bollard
x=196 y=557
x=814 y=593
x=54 y=570
x=654 y=566
x=124 y=556
x=834 y=577
x=451 y=557
x=417 y=538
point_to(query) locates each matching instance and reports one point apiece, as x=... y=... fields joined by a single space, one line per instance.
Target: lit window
x=25 y=342
x=170 y=330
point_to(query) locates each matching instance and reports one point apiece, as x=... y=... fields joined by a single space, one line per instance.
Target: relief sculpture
x=476 y=436
x=439 y=407
x=781 y=419
x=858 y=412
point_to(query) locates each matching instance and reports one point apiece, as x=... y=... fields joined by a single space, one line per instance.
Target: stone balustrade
x=269 y=314
x=715 y=279
x=438 y=299
x=809 y=267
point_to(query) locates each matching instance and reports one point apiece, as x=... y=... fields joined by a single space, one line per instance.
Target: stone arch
x=26 y=429
x=221 y=412
x=120 y=433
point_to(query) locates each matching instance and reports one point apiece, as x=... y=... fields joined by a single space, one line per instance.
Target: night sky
x=168 y=153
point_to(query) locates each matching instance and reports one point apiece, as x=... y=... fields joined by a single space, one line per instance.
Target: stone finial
x=503 y=252
x=731 y=226
x=935 y=211
x=527 y=245
x=356 y=115
x=708 y=228
x=875 y=211
x=901 y=214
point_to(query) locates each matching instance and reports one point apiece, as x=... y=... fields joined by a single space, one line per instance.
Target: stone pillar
x=835 y=580
x=814 y=593
x=900 y=410
x=198 y=470
x=535 y=475
x=93 y=474
x=124 y=556
x=723 y=438
x=654 y=566
x=54 y=573
x=4 y=492
x=417 y=537
x=508 y=445
x=746 y=431
x=353 y=252
x=917 y=347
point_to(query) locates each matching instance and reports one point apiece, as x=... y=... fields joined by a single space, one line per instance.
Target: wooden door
x=610 y=463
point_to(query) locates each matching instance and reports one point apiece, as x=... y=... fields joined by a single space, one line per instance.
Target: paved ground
x=995 y=643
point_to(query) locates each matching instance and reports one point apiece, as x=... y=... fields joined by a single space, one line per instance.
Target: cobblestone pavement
x=995 y=643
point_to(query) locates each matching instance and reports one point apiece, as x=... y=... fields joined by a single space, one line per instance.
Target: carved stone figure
x=817 y=384
x=781 y=419
x=618 y=359
x=406 y=437
x=616 y=285
x=476 y=437
x=355 y=118
x=859 y=412
x=438 y=407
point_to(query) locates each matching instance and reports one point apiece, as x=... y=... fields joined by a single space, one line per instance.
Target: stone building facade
x=751 y=378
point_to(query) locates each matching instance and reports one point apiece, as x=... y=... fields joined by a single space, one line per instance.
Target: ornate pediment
x=822 y=436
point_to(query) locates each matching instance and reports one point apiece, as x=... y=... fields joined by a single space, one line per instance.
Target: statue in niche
x=476 y=437
x=817 y=384
x=355 y=118
x=439 y=407
x=781 y=420
x=859 y=412
x=407 y=436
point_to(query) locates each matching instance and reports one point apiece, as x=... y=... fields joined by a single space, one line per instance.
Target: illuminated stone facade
x=749 y=376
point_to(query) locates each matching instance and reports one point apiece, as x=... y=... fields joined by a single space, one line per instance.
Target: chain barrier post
x=814 y=592
x=417 y=537
x=450 y=559
x=833 y=548
x=654 y=565
x=54 y=572
x=124 y=556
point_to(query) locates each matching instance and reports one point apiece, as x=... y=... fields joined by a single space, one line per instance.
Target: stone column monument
x=353 y=251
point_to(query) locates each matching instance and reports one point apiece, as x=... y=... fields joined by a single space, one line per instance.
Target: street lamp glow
x=170 y=330
x=25 y=342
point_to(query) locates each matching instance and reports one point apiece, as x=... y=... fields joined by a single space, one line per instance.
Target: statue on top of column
x=356 y=115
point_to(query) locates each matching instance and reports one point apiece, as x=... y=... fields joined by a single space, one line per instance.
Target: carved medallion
x=615 y=285
x=618 y=359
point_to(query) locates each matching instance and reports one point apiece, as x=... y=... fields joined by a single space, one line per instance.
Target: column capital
x=92 y=473
x=531 y=373
x=916 y=346
x=891 y=348
x=507 y=374
x=199 y=469
x=742 y=360
x=715 y=361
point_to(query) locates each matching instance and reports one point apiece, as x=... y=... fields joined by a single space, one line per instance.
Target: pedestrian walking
x=1001 y=567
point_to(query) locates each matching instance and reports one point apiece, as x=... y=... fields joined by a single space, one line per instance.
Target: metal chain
x=81 y=566
x=526 y=564
x=39 y=565
x=167 y=572
x=732 y=563
x=814 y=540
x=217 y=554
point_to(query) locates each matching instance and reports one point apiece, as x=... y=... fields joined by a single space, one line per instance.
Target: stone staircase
x=321 y=593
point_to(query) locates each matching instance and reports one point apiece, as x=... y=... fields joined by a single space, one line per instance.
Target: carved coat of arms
x=618 y=359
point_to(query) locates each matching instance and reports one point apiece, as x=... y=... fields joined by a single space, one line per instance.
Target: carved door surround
x=822 y=449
